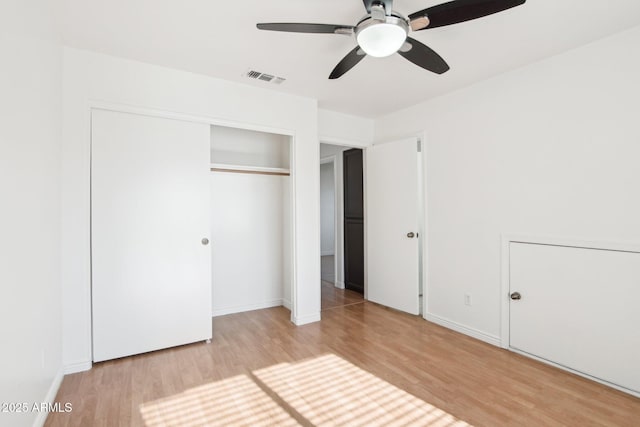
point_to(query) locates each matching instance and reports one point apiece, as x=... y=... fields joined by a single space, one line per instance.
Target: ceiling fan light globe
x=381 y=39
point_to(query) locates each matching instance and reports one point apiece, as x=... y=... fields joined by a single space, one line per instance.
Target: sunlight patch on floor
x=329 y=391
x=323 y=391
x=236 y=401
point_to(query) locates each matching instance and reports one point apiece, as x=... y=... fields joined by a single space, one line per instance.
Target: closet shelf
x=223 y=167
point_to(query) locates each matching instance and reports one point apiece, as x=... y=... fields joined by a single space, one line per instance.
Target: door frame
x=333 y=160
x=422 y=137
x=348 y=144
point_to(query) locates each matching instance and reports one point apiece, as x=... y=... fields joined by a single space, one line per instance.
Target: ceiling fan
x=383 y=31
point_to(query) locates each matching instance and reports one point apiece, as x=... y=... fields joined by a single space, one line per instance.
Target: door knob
x=516 y=296
x=205 y=241
x=411 y=235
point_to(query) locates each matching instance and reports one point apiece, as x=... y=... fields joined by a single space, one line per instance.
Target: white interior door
x=577 y=309
x=151 y=283
x=392 y=214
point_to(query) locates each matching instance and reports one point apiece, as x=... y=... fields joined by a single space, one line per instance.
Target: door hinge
x=419 y=146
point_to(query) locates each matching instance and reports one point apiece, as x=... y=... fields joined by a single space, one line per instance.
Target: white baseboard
x=308 y=318
x=49 y=398
x=286 y=304
x=474 y=333
x=247 y=307
x=75 y=367
x=326 y=253
x=339 y=285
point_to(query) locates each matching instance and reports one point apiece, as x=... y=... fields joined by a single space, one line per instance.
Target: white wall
x=90 y=77
x=247 y=248
x=327 y=209
x=249 y=148
x=550 y=149
x=345 y=129
x=30 y=133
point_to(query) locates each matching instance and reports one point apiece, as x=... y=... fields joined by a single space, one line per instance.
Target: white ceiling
x=220 y=39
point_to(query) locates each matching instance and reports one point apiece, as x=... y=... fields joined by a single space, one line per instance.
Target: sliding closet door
x=151 y=286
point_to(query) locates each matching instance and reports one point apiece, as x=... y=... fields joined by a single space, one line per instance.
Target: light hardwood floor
x=362 y=365
x=333 y=297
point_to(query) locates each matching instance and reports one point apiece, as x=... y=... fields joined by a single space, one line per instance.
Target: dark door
x=353 y=221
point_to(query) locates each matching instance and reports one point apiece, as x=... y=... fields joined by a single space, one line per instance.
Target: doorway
x=332 y=206
x=380 y=236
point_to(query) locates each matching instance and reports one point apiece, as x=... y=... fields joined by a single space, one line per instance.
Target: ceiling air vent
x=257 y=75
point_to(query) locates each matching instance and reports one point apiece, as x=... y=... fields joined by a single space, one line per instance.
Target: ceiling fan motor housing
x=380 y=38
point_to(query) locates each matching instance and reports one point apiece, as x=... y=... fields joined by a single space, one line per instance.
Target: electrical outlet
x=467 y=299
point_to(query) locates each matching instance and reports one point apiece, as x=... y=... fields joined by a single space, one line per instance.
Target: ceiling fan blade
x=347 y=63
x=307 y=28
x=388 y=5
x=457 y=11
x=425 y=57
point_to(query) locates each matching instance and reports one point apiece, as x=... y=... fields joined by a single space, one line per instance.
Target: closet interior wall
x=251 y=220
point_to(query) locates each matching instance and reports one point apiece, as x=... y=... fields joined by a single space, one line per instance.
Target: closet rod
x=250 y=172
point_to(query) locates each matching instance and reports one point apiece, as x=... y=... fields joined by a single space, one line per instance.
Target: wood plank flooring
x=361 y=365
x=333 y=297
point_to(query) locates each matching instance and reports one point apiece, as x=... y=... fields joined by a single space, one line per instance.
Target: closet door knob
x=411 y=235
x=205 y=241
